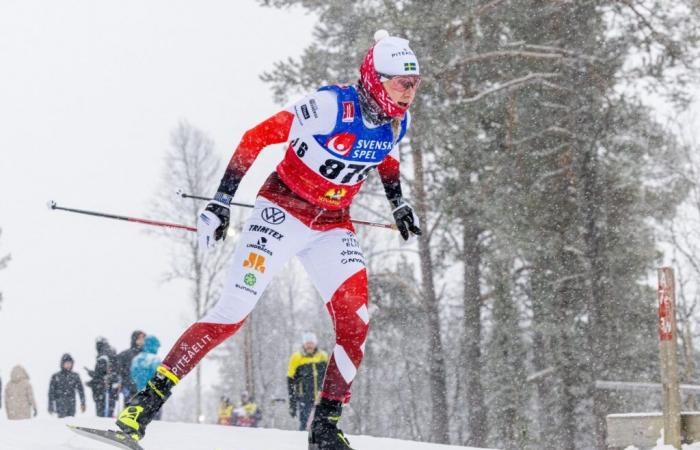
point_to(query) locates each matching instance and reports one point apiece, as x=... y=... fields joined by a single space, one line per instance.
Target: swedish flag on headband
x=409 y=66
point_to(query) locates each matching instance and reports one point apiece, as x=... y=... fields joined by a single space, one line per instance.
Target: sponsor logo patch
x=305 y=109
x=265 y=230
x=335 y=194
x=249 y=279
x=255 y=262
x=192 y=350
x=314 y=107
x=272 y=215
x=341 y=143
x=348 y=111
x=261 y=245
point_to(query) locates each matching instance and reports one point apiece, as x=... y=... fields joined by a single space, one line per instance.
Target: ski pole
x=390 y=226
x=52 y=205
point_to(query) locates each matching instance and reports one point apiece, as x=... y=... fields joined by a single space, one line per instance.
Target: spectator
x=124 y=360
x=19 y=396
x=0 y=393
x=248 y=414
x=105 y=380
x=305 y=377
x=225 y=411
x=62 y=389
x=144 y=365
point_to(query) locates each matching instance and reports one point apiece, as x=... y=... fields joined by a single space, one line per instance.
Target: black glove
x=220 y=208
x=406 y=220
x=292 y=408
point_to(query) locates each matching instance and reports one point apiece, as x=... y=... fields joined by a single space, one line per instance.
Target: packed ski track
x=53 y=434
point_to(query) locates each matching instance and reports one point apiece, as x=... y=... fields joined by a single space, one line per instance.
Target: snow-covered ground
x=52 y=434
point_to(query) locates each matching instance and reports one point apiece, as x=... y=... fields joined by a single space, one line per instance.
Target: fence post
x=669 y=359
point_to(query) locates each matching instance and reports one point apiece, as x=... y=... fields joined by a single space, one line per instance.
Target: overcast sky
x=89 y=92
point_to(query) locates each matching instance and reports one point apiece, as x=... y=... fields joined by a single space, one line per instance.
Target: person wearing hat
x=225 y=414
x=307 y=368
x=104 y=380
x=335 y=138
x=63 y=386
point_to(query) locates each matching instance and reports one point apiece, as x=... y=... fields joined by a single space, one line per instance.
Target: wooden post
x=669 y=357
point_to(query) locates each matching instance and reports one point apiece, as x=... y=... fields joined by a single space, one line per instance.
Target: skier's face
x=402 y=89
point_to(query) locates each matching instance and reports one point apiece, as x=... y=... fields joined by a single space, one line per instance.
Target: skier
x=336 y=136
x=62 y=389
x=304 y=375
x=124 y=359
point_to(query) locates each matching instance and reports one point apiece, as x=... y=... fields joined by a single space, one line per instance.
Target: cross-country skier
x=336 y=136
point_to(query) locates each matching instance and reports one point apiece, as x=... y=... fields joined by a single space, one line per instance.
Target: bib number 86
x=332 y=168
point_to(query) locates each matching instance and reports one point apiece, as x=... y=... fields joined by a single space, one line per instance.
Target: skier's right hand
x=213 y=221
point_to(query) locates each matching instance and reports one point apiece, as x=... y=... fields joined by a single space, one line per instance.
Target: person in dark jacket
x=105 y=379
x=124 y=359
x=62 y=388
x=305 y=378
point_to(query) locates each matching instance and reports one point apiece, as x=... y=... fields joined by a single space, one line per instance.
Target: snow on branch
x=531 y=77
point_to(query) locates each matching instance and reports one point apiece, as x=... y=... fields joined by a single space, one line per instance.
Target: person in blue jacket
x=144 y=365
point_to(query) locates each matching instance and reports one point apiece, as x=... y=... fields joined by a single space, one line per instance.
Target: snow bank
x=52 y=434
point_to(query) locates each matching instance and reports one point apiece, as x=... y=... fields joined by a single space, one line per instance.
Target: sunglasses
x=402 y=83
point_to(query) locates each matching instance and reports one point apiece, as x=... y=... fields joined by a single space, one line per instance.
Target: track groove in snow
x=52 y=434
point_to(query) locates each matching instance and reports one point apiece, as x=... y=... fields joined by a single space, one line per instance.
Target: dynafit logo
x=341 y=143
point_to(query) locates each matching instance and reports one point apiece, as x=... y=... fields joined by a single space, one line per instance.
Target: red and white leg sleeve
x=336 y=265
x=270 y=237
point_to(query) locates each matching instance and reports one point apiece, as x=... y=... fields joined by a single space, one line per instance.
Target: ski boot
x=144 y=405
x=325 y=434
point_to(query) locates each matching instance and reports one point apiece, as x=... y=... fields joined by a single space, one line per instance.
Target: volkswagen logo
x=272 y=215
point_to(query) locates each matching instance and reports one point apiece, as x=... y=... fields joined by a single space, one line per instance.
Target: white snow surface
x=52 y=434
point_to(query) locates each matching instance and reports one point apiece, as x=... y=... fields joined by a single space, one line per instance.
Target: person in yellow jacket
x=305 y=378
x=248 y=414
x=225 y=412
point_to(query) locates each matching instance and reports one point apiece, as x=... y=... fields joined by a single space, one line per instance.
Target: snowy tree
x=190 y=164
x=530 y=132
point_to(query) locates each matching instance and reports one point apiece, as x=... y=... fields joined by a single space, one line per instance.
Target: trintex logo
x=348 y=111
x=273 y=215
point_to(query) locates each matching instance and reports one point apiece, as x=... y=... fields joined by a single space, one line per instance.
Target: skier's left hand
x=213 y=221
x=406 y=221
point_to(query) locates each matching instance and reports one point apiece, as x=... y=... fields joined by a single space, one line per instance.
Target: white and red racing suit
x=303 y=210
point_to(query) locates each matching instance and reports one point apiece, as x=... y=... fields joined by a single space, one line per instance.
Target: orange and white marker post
x=669 y=359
